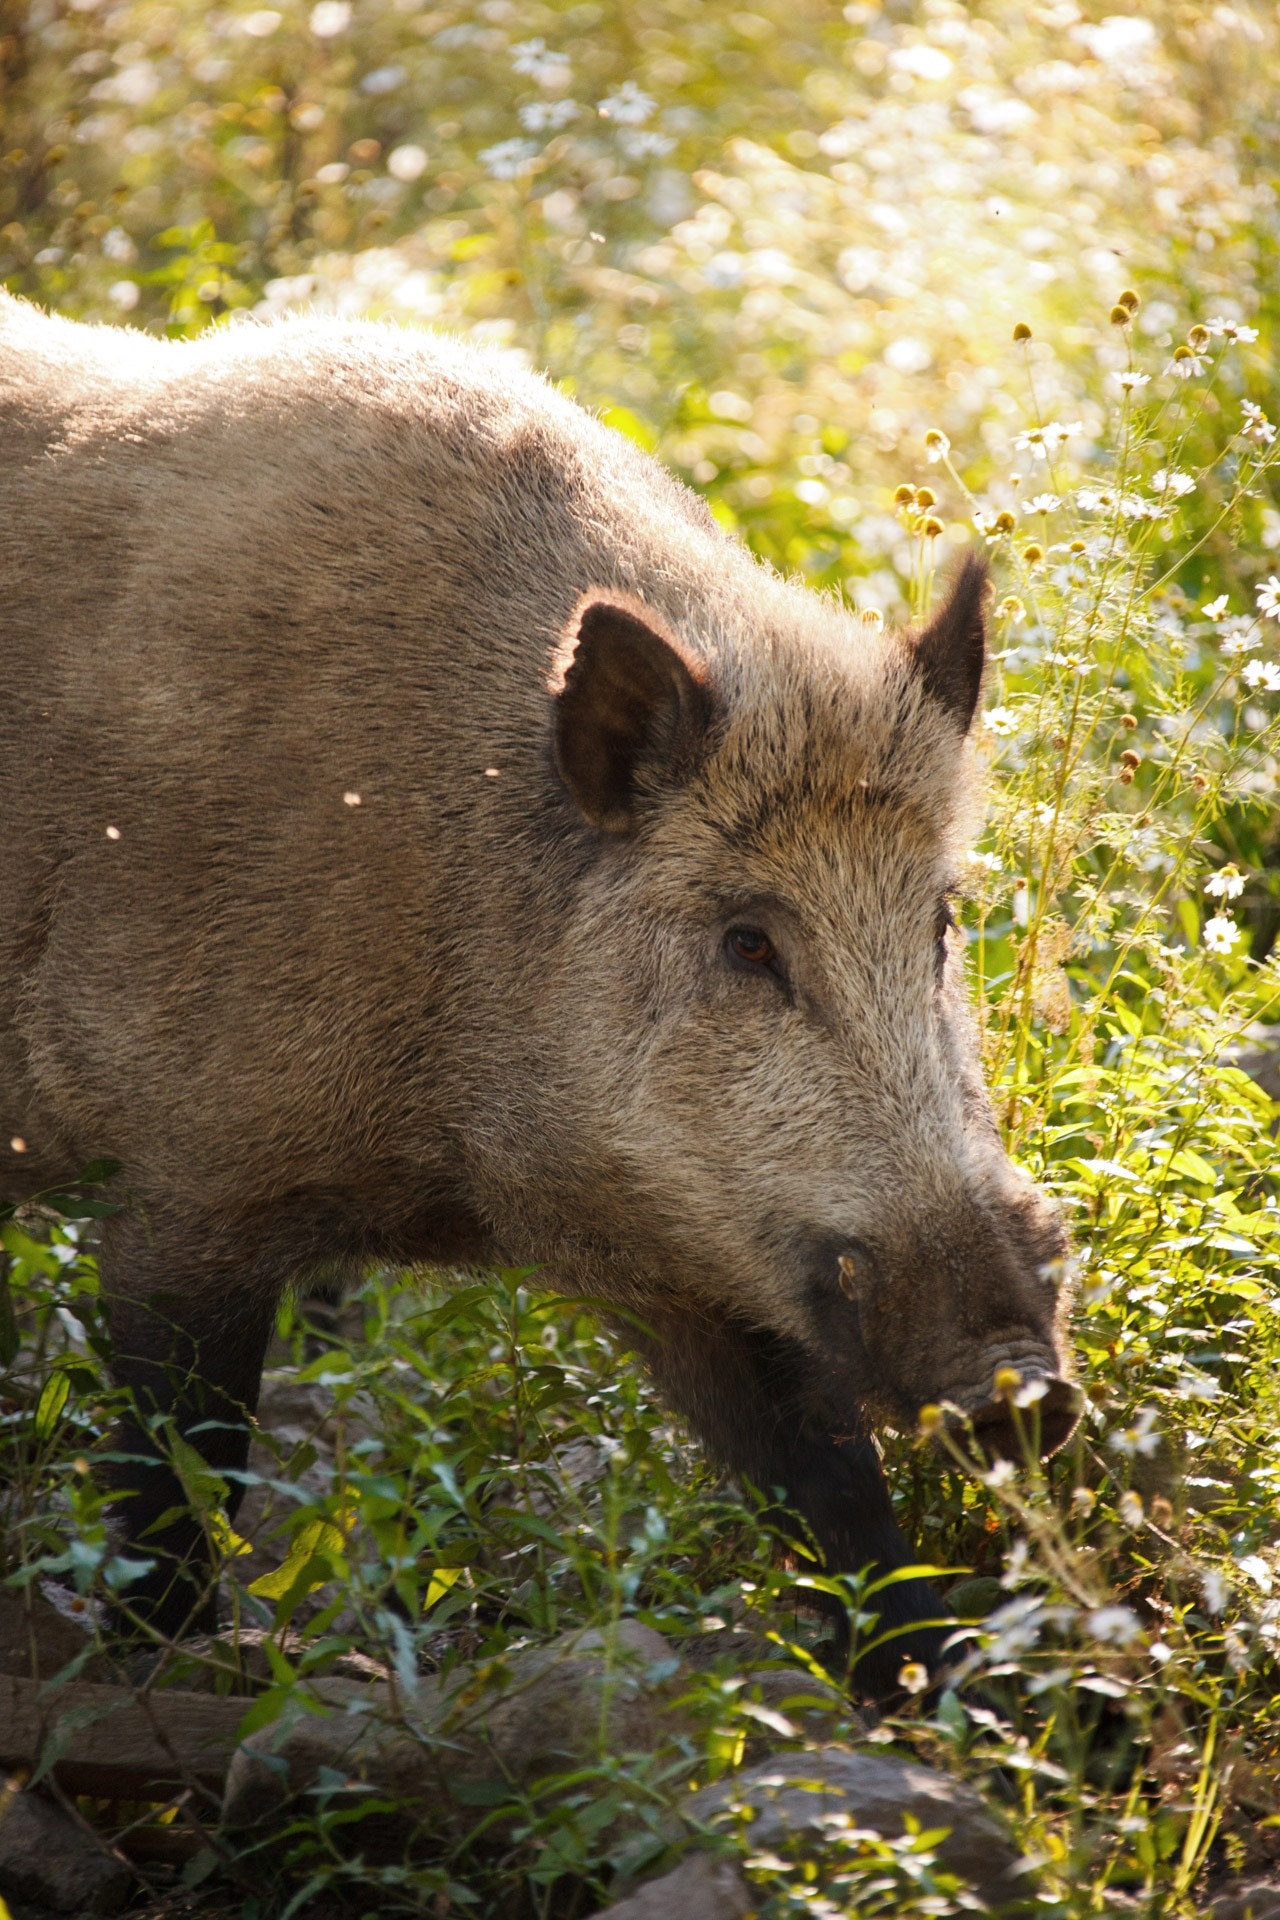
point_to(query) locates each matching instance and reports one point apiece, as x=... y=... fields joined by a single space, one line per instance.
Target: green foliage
x=788 y=248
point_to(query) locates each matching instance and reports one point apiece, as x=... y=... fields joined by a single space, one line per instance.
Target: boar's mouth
x=1027 y=1409
x=1005 y=1431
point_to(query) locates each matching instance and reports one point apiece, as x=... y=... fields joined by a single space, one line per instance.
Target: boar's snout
x=962 y=1311
x=1032 y=1413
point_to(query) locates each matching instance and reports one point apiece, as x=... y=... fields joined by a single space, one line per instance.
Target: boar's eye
x=752 y=951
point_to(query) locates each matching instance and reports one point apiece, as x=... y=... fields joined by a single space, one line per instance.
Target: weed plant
x=485 y=1473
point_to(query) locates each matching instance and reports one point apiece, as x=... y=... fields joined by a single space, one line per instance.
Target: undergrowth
x=485 y=1474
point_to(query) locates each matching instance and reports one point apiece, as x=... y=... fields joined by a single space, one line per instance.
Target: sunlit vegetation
x=884 y=283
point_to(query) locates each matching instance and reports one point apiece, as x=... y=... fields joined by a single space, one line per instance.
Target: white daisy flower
x=1114 y=1626
x=1268 y=596
x=1142 y=1437
x=1226 y=884
x=1220 y=933
x=542 y=64
x=1044 y=441
x=1256 y=423
x=629 y=107
x=1231 y=330
x=509 y=159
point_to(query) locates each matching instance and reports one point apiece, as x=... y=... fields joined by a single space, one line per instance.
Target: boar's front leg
x=747 y=1394
x=190 y=1319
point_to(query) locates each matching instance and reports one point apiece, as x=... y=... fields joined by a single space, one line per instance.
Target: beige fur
x=246 y=576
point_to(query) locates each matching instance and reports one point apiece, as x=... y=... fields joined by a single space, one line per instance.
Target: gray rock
x=1260 y=1900
x=49 y=1862
x=792 y=1796
x=40 y=1634
x=700 y=1888
x=809 y=1703
x=737 y=1646
x=538 y=1712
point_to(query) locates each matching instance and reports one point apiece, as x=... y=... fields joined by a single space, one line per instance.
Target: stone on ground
x=49 y=1864
x=504 y=1722
x=700 y=1888
x=793 y=1795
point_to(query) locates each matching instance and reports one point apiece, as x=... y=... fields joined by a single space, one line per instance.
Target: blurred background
x=779 y=242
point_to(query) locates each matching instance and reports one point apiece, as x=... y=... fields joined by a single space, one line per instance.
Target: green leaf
x=1193 y=1167
x=442 y=1578
x=480 y=1793
x=9 y=1338
x=623 y=421
x=311 y=1561
x=53 y=1398
x=203 y=1487
x=1189 y=920
x=75 y=1206
x=98 y=1171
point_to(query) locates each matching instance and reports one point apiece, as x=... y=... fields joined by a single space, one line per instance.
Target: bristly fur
x=367 y=967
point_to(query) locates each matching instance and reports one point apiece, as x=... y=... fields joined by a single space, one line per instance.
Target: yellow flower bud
x=1129 y=722
x=925 y=497
x=903 y=496
x=1007 y=1380
x=1032 y=553
x=930 y=1418
x=1005 y=522
x=1198 y=338
x=1130 y=759
x=931 y=527
x=1120 y=316
x=1021 y=332
x=1129 y=300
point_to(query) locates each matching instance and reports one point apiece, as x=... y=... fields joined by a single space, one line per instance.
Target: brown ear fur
x=630 y=696
x=952 y=650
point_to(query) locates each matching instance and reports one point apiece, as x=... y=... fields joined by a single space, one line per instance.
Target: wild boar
x=430 y=838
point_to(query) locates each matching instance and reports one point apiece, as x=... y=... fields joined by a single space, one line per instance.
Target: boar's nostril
x=1005 y=1430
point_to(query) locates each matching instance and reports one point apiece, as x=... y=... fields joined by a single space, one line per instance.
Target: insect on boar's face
x=789 y=1121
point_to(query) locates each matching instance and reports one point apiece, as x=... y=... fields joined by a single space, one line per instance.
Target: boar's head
x=765 y=1022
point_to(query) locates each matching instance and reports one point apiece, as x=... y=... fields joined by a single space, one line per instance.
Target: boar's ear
x=631 y=701
x=952 y=650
